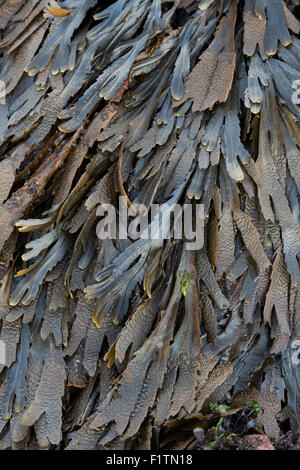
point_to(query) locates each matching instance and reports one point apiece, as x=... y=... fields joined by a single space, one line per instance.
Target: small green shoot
x=219 y=408
x=256 y=407
x=185 y=279
x=217 y=429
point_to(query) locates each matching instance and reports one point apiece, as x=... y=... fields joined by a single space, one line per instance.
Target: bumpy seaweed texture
x=160 y=102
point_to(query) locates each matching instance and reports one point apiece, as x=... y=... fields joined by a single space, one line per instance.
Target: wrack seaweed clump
x=195 y=102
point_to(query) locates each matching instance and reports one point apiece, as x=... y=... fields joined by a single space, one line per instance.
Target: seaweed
x=123 y=343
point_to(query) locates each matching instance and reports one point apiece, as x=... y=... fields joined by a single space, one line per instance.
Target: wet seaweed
x=159 y=102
